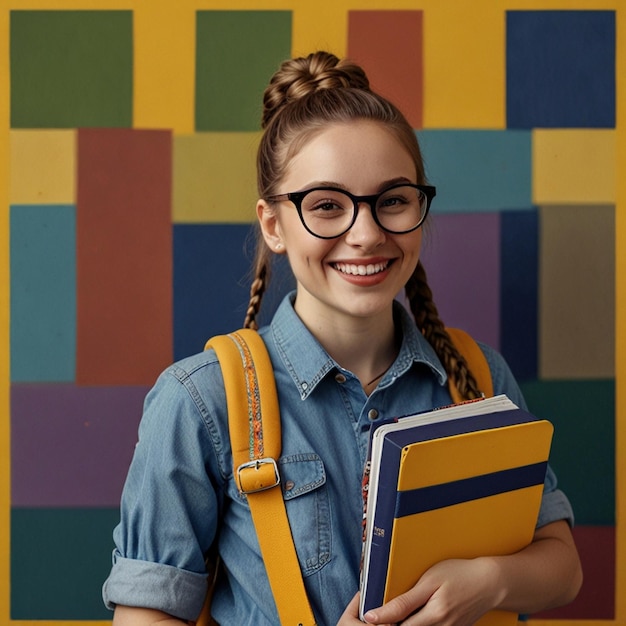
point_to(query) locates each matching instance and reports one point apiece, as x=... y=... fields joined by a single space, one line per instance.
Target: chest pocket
x=303 y=480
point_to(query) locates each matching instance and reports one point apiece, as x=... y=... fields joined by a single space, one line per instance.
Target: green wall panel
x=583 y=449
x=80 y=72
x=237 y=52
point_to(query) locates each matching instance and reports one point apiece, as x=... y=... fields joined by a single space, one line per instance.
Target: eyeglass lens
x=330 y=213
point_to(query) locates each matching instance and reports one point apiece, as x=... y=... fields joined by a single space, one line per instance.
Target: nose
x=365 y=232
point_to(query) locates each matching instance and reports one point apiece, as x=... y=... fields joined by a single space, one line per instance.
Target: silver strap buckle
x=258 y=475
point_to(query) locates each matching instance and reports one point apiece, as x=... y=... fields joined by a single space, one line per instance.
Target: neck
x=365 y=346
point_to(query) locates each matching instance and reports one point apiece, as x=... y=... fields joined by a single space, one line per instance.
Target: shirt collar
x=293 y=340
x=415 y=347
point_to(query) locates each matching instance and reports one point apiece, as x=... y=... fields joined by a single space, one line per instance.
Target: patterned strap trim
x=255 y=423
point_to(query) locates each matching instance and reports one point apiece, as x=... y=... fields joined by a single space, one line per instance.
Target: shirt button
x=340 y=378
x=289 y=485
x=372 y=414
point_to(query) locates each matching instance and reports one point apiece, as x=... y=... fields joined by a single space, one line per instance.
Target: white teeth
x=361 y=270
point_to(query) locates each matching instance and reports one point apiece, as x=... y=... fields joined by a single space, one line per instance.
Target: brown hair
x=302 y=98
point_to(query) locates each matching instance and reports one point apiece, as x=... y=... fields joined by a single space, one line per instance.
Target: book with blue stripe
x=459 y=482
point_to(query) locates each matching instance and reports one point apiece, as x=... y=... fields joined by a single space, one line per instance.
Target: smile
x=361 y=270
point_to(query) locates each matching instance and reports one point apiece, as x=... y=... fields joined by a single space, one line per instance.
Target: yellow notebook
x=460 y=482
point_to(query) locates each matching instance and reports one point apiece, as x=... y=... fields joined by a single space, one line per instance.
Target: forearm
x=135 y=616
x=544 y=575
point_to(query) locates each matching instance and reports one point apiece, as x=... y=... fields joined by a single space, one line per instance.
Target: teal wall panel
x=59 y=560
x=478 y=170
x=43 y=293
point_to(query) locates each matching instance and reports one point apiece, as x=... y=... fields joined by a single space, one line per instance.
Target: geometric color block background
x=128 y=189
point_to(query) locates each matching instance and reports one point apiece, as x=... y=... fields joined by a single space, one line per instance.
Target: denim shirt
x=180 y=497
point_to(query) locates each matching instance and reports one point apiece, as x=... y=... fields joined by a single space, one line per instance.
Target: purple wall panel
x=71 y=446
x=461 y=255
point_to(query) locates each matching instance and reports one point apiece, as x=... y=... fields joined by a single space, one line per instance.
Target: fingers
x=350 y=616
x=396 y=610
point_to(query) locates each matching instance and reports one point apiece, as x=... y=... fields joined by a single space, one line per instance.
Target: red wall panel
x=124 y=256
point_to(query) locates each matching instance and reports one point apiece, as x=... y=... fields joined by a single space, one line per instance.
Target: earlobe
x=269 y=226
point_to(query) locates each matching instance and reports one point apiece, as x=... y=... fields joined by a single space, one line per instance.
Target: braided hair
x=427 y=318
x=303 y=97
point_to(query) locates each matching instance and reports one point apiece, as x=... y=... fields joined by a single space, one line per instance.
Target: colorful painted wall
x=128 y=134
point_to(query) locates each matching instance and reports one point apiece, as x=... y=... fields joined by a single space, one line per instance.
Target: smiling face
x=358 y=274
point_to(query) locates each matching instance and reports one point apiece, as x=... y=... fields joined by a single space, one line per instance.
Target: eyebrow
x=381 y=187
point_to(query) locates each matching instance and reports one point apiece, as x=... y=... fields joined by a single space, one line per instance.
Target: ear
x=270 y=227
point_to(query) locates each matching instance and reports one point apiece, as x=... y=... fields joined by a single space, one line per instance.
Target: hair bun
x=303 y=76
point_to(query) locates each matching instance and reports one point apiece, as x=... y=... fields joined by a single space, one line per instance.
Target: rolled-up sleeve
x=168 y=513
x=554 y=505
x=154 y=585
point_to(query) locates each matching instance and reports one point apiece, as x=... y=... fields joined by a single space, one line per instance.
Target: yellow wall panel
x=215 y=177
x=319 y=26
x=573 y=166
x=43 y=167
x=464 y=72
x=164 y=65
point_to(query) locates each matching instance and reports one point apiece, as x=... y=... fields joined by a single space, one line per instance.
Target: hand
x=451 y=593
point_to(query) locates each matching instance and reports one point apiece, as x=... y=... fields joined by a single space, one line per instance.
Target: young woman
x=343 y=195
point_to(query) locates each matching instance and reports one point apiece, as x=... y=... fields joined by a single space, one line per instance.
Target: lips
x=360 y=269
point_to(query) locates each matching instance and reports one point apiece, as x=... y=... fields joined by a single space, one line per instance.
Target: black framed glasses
x=328 y=212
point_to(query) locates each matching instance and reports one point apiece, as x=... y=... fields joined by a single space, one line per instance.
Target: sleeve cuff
x=555 y=506
x=155 y=586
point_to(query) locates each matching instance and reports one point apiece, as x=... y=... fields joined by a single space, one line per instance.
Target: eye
x=324 y=203
x=396 y=200
x=391 y=201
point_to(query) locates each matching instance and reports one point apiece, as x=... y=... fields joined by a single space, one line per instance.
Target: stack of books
x=455 y=483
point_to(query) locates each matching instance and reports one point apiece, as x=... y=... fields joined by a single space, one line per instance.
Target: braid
x=428 y=321
x=259 y=285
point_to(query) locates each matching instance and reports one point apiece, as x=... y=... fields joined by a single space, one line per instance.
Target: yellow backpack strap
x=254 y=424
x=476 y=362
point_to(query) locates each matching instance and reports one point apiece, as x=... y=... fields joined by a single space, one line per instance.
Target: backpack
x=251 y=391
